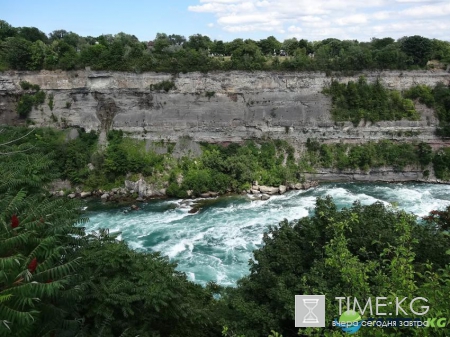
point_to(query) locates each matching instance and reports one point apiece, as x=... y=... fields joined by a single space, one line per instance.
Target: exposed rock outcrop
x=285 y=105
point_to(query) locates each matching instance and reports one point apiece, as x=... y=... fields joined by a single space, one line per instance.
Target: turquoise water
x=217 y=243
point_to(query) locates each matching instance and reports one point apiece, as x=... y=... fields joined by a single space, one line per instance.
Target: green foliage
x=422 y=92
x=330 y=253
x=210 y=94
x=28 y=101
x=138 y=293
x=25 y=105
x=164 y=85
x=441 y=164
x=368 y=155
x=28 y=86
x=27 y=48
x=50 y=101
x=37 y=241
x=370 y=102
x=418 y=48
x=95 y=285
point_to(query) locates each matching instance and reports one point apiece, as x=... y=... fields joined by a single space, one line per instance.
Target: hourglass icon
x=310 y=304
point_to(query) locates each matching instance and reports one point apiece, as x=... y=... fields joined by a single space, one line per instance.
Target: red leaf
x=32 y=266
x=14 y=221
x=49 y=281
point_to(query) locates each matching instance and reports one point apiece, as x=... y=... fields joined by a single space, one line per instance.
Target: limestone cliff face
x=213 y=107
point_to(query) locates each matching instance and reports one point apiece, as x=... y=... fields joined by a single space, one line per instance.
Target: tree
x=418 y=48
x=31 y=34
x=18 y=52
x=290 y=45
x=381 y=43
x=136 y=293
x=176 y=40
x=268 y=45
x=6 y=30
x=330 y=253
x=198 y=42
x=38 y=238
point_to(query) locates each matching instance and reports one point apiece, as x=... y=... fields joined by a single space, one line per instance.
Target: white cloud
x=210 y=25
x=428 y=11
x=318 y=19
x=351 y=20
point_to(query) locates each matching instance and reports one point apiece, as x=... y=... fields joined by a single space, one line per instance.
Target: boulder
x=61 y=193
x=209 y=194
x=268 y=190
x=91 y=167
x=272 y=190
x=73 y=134
x=265 y=189
x=105 y=196
x=265 y=197
x=291 y=186
x=298 y=186
x=255 y=191
x=139 y=199
x=130 y=185
x=282 y=189
x=115 y=190
x=85 y=194
x=71 y=195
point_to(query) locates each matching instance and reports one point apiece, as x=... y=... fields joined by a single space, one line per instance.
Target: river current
x=217 y=243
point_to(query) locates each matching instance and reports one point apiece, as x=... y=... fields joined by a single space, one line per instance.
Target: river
x=217 y=243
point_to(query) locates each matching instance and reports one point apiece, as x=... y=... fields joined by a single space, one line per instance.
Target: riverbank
x=141 y=191
x=216 y=243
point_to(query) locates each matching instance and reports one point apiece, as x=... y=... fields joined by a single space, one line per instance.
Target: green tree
x=38 y=238
x=418 y=48
x=134 y=293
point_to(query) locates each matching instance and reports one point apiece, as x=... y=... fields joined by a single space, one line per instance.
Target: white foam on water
x=217 y=243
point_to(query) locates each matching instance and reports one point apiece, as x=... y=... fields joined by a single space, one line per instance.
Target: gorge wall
x=213 y=107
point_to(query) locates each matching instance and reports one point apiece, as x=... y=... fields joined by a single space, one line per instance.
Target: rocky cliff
x=214 y=107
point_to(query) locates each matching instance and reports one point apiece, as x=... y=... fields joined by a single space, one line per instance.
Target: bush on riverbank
x=217 y=168
x=363 y=252
x=368 y=155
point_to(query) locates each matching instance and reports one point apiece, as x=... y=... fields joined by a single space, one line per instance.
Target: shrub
x=50 y=101
x=39 y=98
x=25 y=105
x=28 y=86
x=210 y=94
x=164 y=85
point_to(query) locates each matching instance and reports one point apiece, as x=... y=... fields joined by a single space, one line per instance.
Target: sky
x=229 y=19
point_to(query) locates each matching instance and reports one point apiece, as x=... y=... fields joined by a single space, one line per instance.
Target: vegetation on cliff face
x=437 y=98
x=369 y=102
x=360 y=101
x=28 y=48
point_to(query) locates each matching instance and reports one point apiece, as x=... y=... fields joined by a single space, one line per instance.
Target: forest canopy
x=28 y=48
